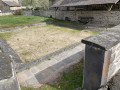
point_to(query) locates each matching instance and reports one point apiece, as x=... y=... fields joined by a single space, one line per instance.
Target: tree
x=42 y=4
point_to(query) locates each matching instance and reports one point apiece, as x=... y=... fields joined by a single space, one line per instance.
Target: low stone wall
x=100 y=17
x=21 y=27
x=7 y=50
x=8 y=79
x=25 y=12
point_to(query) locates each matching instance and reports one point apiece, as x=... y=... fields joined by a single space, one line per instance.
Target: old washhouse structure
x=74 y=9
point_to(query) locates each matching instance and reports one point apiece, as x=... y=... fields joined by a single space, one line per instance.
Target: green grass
x=27 y=88
x=26 y=53
x=45 y=87
x=69 y=80
x=6 y=35
x=72 y=79
x=19 y=20
x=49 y=58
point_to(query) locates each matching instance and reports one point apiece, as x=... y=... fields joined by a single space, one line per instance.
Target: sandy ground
x=32 y=43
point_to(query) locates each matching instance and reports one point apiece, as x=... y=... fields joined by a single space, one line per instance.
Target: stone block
x=39 y=76
x=58 y=66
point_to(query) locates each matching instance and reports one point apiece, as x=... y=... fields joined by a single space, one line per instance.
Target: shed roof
x=11 y=3
x=82 y=2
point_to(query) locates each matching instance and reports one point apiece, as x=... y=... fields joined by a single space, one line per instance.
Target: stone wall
x=25 y=12
x=100 y=17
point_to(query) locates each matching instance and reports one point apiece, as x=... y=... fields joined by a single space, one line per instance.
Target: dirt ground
x=32 y=43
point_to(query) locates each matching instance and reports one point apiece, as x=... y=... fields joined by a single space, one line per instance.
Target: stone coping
x=5 y=67
x=8 y=79
x=22 y=27
x=5 y=48
x=103 y=40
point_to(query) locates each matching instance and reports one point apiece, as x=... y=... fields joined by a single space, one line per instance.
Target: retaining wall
x=100 y=17
x=25 y=12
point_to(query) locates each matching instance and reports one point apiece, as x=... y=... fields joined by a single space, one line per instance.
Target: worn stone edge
x=35 y=62
x=39 y=24
x=9 y=51
x=21 y=27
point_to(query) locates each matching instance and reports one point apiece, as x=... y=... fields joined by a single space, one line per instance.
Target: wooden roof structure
x=68 y=3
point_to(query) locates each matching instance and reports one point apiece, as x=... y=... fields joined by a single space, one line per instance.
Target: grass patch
x=26 y=53
x=6 y=35
x=95 y=32
x=69 y=80
x=45 y=87
x=49 y=58
x=72 y=79
x=48 y=87
x=27 y=88
x=20 y=20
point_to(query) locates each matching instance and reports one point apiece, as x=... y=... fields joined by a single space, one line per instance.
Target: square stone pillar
x=97 y=59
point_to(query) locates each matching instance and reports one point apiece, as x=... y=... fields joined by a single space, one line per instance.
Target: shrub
x=18 y=12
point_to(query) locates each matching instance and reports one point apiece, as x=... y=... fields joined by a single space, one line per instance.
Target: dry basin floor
x=33 y=43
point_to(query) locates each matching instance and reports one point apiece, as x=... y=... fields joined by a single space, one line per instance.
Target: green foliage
x=42 y=4
x=48 y=87
x=18 y=12
x=72 y=79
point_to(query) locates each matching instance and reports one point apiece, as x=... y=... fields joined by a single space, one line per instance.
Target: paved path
x=49 y=70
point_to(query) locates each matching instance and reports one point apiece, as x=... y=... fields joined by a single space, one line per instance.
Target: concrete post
x=97 y=59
